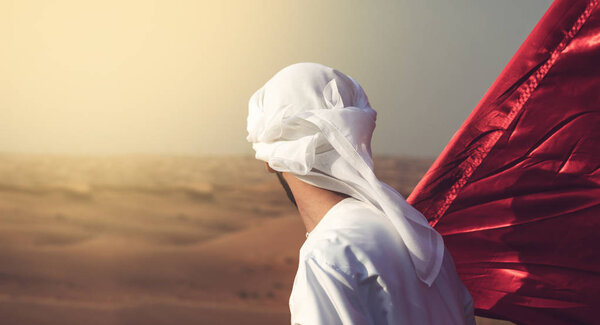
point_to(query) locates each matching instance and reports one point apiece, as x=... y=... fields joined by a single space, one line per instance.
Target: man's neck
x=313 y=202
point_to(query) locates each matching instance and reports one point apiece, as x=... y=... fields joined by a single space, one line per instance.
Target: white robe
x=351 y=272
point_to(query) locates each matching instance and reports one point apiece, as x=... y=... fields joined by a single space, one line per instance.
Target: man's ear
x=269 y=169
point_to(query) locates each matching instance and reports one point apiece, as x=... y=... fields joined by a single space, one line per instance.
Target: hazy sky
x=175 y=76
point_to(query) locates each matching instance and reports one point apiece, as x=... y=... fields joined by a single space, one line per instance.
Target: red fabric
x=516 y=192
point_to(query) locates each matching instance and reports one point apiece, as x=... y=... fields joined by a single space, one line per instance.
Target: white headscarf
x=315 y=122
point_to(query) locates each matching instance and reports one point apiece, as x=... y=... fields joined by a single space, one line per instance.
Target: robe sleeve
x=327 y=295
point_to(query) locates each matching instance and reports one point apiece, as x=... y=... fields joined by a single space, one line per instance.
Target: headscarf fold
x=316 y=123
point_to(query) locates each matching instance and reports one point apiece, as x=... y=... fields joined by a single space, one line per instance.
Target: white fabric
x=316 y=123
x=352 y=272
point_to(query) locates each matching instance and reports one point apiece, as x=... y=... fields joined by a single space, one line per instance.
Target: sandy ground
x=152 y=239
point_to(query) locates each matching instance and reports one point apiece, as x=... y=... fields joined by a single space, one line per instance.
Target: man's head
x=291 y=144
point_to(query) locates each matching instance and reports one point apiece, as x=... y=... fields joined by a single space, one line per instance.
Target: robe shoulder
x=355 y=239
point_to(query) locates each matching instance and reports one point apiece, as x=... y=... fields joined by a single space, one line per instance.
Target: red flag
x=516 y=192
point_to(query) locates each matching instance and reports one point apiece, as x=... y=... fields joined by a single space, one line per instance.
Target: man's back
x=352 y=272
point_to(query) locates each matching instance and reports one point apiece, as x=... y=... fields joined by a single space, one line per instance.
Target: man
x=369 y=257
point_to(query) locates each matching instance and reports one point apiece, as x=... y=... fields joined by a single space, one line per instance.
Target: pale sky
x=120 y=76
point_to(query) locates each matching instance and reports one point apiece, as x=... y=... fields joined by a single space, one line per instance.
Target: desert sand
x=140 y=239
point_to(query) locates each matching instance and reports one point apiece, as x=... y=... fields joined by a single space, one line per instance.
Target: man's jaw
x=286 y=187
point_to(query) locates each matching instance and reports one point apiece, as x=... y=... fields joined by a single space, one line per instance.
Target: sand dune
x=151 y=239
